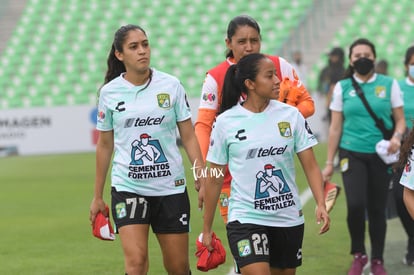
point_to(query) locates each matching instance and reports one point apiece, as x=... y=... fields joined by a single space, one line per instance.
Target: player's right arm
x=212 y=189
x=207 y=112
x=104 y=150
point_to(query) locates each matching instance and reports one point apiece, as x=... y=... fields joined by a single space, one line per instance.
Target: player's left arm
x=315 y=181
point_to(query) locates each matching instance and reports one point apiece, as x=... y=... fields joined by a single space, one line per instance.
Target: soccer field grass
x=45 y=227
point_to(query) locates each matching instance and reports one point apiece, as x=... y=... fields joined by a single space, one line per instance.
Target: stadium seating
x=388 y=24
x=57 y=53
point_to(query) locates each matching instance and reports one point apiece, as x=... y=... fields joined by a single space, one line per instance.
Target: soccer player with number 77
x=149 y=188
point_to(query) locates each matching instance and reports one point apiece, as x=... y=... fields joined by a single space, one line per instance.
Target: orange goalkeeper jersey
x=292 y=92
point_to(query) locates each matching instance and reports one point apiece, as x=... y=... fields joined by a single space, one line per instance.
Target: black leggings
x=366 y=181
x=406 y=220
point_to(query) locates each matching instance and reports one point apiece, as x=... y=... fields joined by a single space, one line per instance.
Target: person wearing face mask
x=407 y=86
x=354 y=135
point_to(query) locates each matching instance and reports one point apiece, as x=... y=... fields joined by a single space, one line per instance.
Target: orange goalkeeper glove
x=290 y=91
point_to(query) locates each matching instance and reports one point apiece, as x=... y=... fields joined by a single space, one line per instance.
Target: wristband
x=329 y=162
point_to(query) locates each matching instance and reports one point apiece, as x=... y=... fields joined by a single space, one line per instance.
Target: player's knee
x=178 y=268
x=136 y=266
x=180 y=271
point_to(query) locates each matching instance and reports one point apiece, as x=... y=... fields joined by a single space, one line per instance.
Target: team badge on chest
x=284 y=129
x=380 y=91
x=164 y=100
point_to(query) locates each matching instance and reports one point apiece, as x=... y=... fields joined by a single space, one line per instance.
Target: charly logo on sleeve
x=148 y=159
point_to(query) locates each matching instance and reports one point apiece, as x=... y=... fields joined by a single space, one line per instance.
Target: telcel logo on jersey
x=265 y=152
x=137 y=122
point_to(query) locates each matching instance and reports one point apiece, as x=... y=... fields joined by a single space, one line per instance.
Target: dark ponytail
x=405 y=150
x=231 y=90
x=115 y=66
x=234 y=81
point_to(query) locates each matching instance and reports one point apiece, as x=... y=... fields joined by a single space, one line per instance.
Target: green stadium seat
x=64 y=44
x=15 y=102
x=59 y=100
x=37 y=101
x=390 y=34
x=83 y=98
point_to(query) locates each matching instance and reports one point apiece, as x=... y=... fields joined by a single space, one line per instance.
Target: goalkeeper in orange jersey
x=243 y=38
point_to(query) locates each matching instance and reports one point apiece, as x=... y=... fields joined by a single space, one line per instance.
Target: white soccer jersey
x=146 y=158
x=407 y=177
x=259 y=149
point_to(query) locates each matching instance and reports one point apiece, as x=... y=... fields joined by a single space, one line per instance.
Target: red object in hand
x=102 y=228
x=210 y=259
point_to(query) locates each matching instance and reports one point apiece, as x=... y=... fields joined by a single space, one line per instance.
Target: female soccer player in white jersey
x=407 y=179
x=258 y=139
x=139 y=111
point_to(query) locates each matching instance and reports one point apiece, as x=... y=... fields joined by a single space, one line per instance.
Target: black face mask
x=364 y=65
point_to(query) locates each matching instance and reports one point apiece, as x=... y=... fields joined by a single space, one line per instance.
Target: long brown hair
x=405 y=150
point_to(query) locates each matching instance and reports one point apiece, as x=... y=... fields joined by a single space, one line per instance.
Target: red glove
x=102 y=228
x=210 y=259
